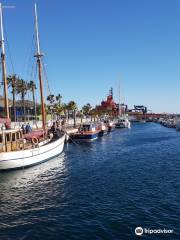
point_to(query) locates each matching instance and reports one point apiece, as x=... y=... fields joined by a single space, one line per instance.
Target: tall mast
x=119 y=93
x=4 y=78
x=38 y=56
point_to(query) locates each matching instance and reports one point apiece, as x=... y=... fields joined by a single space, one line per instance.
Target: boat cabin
x=121 y=120
x=11 y=140
x=87 y=127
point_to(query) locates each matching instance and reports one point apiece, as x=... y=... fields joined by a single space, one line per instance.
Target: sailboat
x=18 y=150
x=122 y=121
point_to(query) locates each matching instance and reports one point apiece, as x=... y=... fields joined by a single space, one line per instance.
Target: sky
x=92 y=45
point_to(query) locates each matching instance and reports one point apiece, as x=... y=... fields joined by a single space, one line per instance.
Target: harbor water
x=99 y=190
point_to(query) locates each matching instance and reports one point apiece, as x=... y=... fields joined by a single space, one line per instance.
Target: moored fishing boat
x=18 y=150
x=120 y=123
x=86 y=132
x=123 y=123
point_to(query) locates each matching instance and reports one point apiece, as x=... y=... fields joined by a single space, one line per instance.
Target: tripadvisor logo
x=139 y=231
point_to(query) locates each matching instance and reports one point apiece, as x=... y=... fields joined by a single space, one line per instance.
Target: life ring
x=35 y=141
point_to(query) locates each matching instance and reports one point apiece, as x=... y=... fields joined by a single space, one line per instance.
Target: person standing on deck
x=28 y=128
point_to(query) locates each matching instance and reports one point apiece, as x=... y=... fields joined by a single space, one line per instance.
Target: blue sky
x=91 y=45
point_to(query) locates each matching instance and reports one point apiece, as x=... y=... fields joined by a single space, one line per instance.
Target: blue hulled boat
x=86 y=132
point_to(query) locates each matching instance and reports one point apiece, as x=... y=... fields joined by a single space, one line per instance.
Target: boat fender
x=35 y=141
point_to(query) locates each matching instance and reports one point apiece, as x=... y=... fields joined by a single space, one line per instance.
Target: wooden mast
x=38 y=56
x=4 y=78
x=120 y=113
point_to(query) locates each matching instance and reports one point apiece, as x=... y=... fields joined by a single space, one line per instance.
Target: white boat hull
x=128 y=124
x=123 y=124
x=29 y=157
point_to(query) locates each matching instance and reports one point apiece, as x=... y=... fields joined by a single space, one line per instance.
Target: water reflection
x=22 y=177
x=30 y=191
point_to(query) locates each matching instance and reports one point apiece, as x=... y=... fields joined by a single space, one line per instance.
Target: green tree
x=58 y=99
x=21 y=88
x=12 y=82
x=51 y=98
x=72 y=106
x=86 y=109
x=81 y=115
x=58 y=109
x=32 y=87
x=65 y=109
x=94 y=114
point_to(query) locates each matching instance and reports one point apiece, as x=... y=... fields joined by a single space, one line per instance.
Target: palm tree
x=51 y=100
x=65 y=109
x=81 y=115
x=58 y=109
x=72 y=106
x=12 y=82
x=86 y=109
x=58 y=99
x=22 y=90
x=93 y=114
x=32 y=87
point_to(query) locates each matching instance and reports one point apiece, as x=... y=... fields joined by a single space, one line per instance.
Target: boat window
x=0 y=138
x=17 y=135
x=13 y=137
x=8 y=137
x=86 y=127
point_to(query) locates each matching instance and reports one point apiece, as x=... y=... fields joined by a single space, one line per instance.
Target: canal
x=99 y=190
